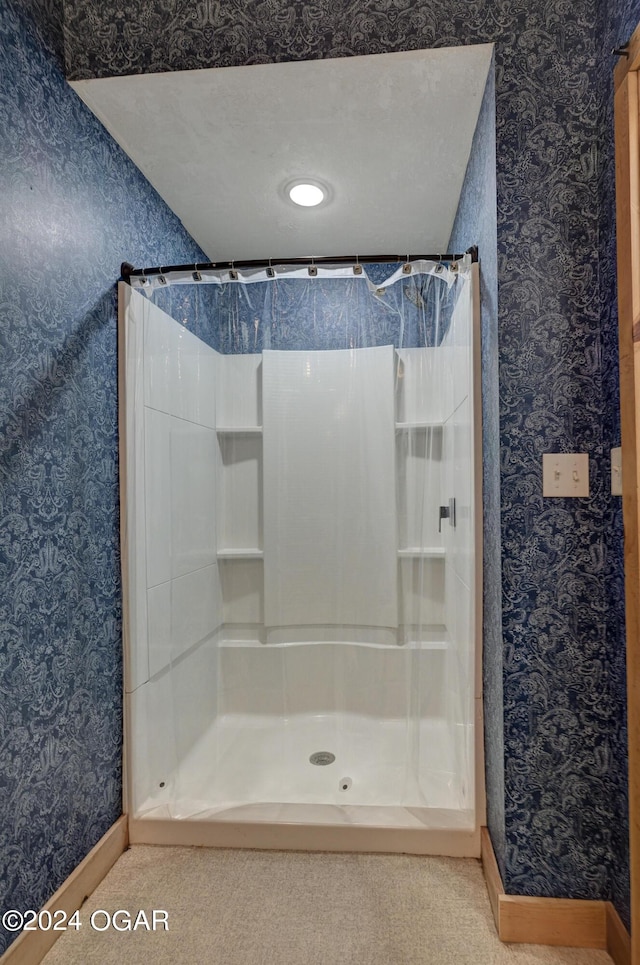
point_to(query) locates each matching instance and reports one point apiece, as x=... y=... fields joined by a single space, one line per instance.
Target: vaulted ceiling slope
x=389 y=134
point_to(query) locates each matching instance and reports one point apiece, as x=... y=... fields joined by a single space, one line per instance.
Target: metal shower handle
x=447 y=512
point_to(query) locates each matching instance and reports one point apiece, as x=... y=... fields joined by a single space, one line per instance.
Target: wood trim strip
x=628 y=200
x=31 y=947
x=618 y=938
x=630 y=63
x=626 y=125
x=628 y=228
x=491 y=875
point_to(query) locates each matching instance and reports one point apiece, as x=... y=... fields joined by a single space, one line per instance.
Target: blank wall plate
x=616 y=471
x=565 y=474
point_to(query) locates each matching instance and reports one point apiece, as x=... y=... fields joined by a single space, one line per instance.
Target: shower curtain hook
x=313 y=271
x=357 y=268
x=270 y=271
x=233 y=274
x=196 y=274
x=406 y=268
x=161 y=277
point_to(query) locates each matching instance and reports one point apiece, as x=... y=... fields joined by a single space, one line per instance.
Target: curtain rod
x=128 y=271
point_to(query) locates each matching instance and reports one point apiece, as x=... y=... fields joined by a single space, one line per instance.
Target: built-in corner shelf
x=240 y=554
x=422 y=552
x=417 y=426
x=239 y=430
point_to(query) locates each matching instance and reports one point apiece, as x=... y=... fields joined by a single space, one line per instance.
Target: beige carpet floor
x=277 y=908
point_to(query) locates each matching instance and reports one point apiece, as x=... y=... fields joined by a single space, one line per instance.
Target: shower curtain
x=300 y=460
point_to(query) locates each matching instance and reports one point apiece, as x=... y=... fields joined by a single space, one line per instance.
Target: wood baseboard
x=491 y=874
x=31 y=947
x=553 y=921
x=618 y=938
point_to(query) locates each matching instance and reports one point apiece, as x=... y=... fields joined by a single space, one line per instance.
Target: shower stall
x=301 y=520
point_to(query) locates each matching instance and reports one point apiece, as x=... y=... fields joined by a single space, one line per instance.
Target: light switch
x=565 y=474
x=616 y=472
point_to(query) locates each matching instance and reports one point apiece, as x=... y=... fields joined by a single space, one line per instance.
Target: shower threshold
x=249 y=782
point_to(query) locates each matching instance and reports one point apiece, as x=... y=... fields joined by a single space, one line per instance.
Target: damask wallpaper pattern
x=145 y=37
x=561 y=793
x=46 y=20
x=73 y=207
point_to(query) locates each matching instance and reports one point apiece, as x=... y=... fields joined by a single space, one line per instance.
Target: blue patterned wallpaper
x=46 y=20
x=558 y=714
x=73 y=207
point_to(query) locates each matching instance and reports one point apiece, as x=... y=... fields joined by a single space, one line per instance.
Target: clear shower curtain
x=340 y=594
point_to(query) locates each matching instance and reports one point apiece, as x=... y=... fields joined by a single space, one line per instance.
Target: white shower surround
x=223 y=713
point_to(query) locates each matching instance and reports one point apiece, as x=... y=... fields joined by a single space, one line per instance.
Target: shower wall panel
x=329 y=439
x=239 y=391
x=179 y=480
x=458 y=438
x=174 y=586
x=420 y=376
x=462 y=588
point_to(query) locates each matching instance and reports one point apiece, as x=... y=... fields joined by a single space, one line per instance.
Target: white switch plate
x=565 y=474
x=616 y=472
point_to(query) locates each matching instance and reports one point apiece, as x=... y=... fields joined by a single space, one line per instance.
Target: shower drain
x=322 y=758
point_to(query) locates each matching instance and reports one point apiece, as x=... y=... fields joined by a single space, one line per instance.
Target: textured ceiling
x=389 y=133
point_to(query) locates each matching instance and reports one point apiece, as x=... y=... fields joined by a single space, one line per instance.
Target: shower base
x=249 y=782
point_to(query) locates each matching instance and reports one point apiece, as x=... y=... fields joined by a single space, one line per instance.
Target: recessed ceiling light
x=308 y=195
x=306 y=192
